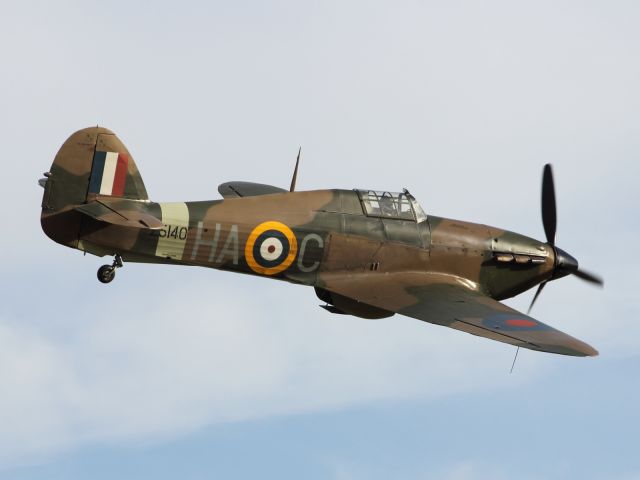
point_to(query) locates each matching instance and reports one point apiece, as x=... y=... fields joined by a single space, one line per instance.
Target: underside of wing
x=452 y=302
x=125 y=213
x=246 y=189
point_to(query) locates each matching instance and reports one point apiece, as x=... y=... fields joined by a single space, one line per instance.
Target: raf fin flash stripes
x=109 y=173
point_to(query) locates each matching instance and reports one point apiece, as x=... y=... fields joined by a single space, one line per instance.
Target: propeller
x=564 y=264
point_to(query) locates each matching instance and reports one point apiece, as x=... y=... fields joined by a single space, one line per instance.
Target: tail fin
x=91 y=163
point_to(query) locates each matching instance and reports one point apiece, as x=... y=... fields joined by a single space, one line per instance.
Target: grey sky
x=461 y=102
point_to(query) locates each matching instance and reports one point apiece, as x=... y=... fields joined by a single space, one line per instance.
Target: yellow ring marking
x=251 y=241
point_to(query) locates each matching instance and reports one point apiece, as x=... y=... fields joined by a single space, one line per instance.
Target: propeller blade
x=549 y=219
x=589 y=277
x=535 y=297
x=564 y=264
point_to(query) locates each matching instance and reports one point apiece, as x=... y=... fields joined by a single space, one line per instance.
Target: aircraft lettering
x=199 y=241
x=230 y=246
x=173 y=231
x=303 y=246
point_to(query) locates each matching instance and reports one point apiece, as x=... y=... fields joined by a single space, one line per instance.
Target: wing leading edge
x=448 y=301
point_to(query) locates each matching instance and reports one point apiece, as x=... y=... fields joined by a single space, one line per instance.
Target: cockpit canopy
x=401 y=206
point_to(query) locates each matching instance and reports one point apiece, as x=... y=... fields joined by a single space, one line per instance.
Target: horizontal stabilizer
x=121 y=212
x=247 y=189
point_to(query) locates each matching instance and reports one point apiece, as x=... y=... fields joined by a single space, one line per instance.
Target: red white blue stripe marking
x=109 y=173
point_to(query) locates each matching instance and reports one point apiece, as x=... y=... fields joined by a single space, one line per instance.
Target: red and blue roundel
x=270 y=248
x=513 y=322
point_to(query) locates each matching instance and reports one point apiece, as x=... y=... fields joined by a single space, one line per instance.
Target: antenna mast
x=295 y=173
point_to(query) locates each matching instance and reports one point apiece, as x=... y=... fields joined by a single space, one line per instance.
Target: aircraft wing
x=125 y=213
x=247 y=189
x=452 y=302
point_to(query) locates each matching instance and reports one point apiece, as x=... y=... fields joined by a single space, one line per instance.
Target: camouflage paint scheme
x=442 y=271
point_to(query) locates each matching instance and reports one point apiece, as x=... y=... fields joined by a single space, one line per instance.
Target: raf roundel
x=271 y=248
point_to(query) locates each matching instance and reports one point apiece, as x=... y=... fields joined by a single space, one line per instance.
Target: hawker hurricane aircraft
x=367 y=253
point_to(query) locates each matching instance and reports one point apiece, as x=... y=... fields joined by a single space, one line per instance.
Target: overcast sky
x=173 y=372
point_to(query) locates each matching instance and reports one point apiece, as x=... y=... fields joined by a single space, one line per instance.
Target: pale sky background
x=173 y=372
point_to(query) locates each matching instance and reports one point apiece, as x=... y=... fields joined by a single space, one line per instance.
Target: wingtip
x=581 y=349
x=571 y=347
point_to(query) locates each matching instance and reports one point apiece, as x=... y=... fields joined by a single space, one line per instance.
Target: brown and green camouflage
x=367 y=254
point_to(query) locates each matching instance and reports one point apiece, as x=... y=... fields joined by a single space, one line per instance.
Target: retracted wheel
x=106 y=273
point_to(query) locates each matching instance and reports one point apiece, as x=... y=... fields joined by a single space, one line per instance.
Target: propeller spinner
x=564 y=264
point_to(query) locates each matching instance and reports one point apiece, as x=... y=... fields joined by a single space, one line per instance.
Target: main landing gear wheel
x=106 y=273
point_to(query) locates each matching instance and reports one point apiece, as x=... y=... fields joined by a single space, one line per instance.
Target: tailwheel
x=106 y=273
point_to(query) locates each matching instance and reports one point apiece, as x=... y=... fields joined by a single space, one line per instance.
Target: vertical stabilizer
x=91 y=163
